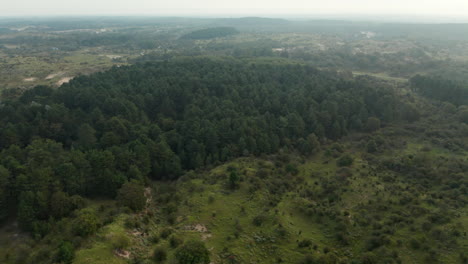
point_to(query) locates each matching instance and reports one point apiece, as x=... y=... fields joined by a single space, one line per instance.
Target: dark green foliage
x=120 y=241
x=193 y=252
x=159 y=254
x=309 y=259
x=86 y=136
x=345 y=160
x=304 y=243
x=132 y=195
x=210 y=33
x=86 y=222
x=154 y=238
x=4 y=193
x=165 y=233
x=233 y=180
x=291 y=168
x=463 y=115
x=60 y=204
x=259 y=219
x=371 y=146
x=414 y=244
x=372 y=124
x=65 y=253
x=175 y=241
x=441 y=89
x=156 y=120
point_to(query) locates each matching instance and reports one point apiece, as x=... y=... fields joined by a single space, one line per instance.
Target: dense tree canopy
x=441 y=89
x=155 y=120
x=211 y=33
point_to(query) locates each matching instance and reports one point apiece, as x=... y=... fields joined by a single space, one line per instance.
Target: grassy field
x=249 y=224
x=100 y=249
x=23 y=71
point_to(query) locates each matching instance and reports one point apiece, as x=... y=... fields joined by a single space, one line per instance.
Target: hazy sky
x=224 y=7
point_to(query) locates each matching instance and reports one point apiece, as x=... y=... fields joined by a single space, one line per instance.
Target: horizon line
x=384 y=17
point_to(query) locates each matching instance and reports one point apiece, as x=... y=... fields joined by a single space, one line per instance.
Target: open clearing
x=64 y=80
x=53 y=75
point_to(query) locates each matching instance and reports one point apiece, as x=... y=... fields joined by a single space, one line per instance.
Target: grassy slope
x=100 y=249
x=228 y=215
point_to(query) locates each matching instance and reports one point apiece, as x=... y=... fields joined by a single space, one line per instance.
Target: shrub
x=233 y=180
x=291 y=168
x=414 y=244
x=193 y=252
x=86 y=223
x=259 y=219
x=159 y=254
x=211 y=199
x=309 y=259
x=304 y=243
x=345 y=160
x=120 y=241
x=175 y=241
x=132 y=195
x=165 y=233
x=371 y=146
x=154 y=239
x=373 y=123
x=65 y=253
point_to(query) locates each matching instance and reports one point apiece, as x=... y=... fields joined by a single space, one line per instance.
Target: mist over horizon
x=399 y=10
x=383 y=18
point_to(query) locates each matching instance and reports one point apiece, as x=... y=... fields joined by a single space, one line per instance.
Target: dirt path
x=30 y=79
x=53 y=75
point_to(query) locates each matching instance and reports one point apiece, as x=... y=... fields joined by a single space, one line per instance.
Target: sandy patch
x=64 y=80
x=9 y=46
x=113 y=56
x=30 y=79
x=122 y=253
x=205 y=236
x=201 y=229
x=53 y=75
x=198 y=227
x=136 y=233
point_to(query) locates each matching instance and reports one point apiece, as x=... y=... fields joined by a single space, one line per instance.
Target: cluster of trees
x=441 y=89
x=155 y=120
x=210 y=33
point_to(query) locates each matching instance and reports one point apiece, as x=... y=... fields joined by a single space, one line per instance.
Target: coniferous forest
x=236 y=152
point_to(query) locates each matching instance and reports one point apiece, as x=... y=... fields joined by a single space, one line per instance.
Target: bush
x=414 y=244
x=175 y=241
x=132 y=195
x=233 y=180
x=193 y=252
x=291 y=168
x=65 y=253
x=159 y=254
x=371 y=146
x=304 y=243
x=165 y=233
x=259 y=219
x=86 y=223
x=345 y=160
x=154 y=238
x=373 y=123
x=309 y=259
x=120 y=241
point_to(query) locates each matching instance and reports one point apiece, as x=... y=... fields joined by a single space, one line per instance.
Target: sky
x=446 y=8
